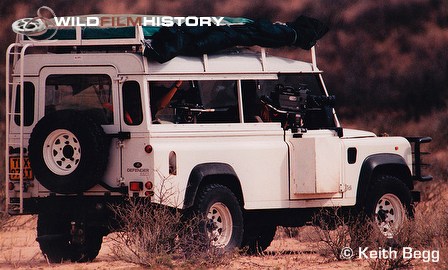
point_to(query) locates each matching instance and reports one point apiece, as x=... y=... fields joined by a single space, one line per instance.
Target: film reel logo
x=37 y=26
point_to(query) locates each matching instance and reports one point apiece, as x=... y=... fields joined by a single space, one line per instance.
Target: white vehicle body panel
x=275 y=169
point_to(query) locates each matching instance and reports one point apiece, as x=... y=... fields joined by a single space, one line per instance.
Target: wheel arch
x=208 y=173
x=379 y=164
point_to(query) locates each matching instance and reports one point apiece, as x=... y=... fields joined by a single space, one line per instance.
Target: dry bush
x=337 y=231
x=287 y=232
x=3 y=220
x=430 y=231
x=13 y=244
x=426 y=235
x=156 y=235
x=394 y=257
x=8 y=222
x=146 y=235
x=4 y=224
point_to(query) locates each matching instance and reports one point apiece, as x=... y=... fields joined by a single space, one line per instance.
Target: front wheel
x=389 y=204
x=221 y=210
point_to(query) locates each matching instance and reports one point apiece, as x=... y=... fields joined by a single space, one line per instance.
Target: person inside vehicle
x=161 y=97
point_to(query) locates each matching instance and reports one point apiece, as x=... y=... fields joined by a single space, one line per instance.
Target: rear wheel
x=87 y=247
x=53 y=235
x=59 y=242
x=258 y=239
x=223 y=224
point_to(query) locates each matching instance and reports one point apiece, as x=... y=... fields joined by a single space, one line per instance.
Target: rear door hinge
x=121 y=79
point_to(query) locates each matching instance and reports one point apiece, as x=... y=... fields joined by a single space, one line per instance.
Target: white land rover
x=251 y=141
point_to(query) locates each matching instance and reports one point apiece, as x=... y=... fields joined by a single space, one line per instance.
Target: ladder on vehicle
x=14 y=54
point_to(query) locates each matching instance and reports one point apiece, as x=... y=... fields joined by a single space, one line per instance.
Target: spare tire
x=68 y=152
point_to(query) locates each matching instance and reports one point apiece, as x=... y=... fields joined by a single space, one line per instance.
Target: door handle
x=122 y=135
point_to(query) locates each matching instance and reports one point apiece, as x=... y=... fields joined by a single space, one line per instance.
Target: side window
x=294 y=81
x=28 y=103
x=132 y=103
x=167 y=98
x=184 y=102
x=252 y=106
x=220 y=97
x=299 y=93
x=91 y=93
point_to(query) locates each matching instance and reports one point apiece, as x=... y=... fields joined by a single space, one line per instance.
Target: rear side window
x=91 y=93
x=132 y=103
x=190 y=102
x=28 y=104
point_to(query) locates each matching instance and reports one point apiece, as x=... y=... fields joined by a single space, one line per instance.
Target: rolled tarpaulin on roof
x=112 y=26
x=170 y=42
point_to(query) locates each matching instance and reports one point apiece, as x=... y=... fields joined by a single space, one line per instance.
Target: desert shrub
x=338 y=230
x=430 y=231
x=287 y=232
x=426 y=234
x=156 y=235
x=8 y=222
x=393 y=256
x=4 y=220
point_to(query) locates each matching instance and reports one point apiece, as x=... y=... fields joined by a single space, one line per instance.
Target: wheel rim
x=220 y=225
x=62 y=152
x=389 y=214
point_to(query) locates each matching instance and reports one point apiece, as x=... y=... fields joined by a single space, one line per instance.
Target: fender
x=201 y=174
x=373 y=165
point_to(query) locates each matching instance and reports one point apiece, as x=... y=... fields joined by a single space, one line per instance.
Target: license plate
x=14 y=169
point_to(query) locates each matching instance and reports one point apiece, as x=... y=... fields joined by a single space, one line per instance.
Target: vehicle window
x=298 y=93
x=194 y=101
x=308 y=81
x=164 y=96
x=132 y=103
x=91 y=93
x=218 y=94
x=252 y=105
x=28 y=103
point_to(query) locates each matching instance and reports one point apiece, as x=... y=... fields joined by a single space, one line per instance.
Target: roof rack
x=117 y=34
x=82 y=36
x=78 y=36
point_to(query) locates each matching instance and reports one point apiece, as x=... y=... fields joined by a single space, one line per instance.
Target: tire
x=89 y=248
x=258 y=239
x=68 y=152
x=224 y=219
x=389 y=204
x=58 y=245
x=53 y=236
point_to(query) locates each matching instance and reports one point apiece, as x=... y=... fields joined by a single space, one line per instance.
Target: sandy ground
x=19 y=250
